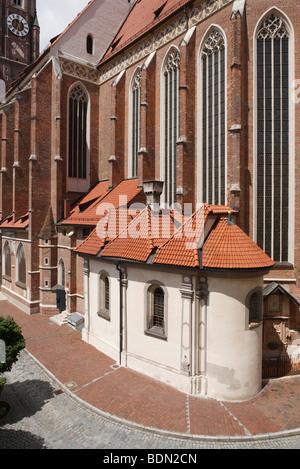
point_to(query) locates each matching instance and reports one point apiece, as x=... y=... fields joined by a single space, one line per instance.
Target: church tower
x=20 y=38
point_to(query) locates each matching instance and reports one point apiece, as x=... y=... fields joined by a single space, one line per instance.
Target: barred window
x=156 y=313
x=171 y=122
x=136 y=121
x=78 y=113
x=213 y=92
x=104 y=297
x=273 y=132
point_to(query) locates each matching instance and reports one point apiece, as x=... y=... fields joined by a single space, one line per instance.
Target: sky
x=54 y=17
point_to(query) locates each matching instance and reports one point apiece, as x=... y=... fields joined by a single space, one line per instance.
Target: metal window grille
x=106 y=293
x=78 y=108
x=136 y=120
x=158 y=312
x=213 y=119
x=272 y=202
x=171 y=77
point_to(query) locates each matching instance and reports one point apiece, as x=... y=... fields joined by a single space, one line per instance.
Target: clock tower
x=20 y=38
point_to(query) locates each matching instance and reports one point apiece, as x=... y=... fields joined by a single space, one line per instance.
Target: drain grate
x=115 y=367
x=71 y=385
x=57 y=392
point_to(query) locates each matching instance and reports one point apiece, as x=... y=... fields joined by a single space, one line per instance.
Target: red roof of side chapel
x=207 y=240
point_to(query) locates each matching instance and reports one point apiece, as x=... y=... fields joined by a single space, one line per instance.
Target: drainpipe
x=202 y=295
x=122 y=312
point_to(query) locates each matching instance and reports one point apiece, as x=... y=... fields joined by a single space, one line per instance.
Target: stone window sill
x=156 y=332
x=255 y=324
x=7 y=278
x=21 y=285
x=104 y=314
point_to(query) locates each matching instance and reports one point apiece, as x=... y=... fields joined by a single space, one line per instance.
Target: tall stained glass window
x=136 y=121
x=78 y=110
x=171 y=122
x=213 y=92
x=272 y=164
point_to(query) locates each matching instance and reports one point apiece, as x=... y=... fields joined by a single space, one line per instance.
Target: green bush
x=14 y=341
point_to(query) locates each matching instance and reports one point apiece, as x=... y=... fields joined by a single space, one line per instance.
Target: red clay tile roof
x=107 y=229
x=226 y=246
x=145 y=233
x=144 y=16
x=21 y=223
x=78 y=213
x=89 y=210
x=207 y=240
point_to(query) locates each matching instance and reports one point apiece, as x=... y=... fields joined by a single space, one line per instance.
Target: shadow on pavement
x=18 y=439
x=25 y=399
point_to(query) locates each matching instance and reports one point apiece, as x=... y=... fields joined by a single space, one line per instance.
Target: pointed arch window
x=7 y=261
x=273 y=133
x=78 y=126
x=171 y=123
x=61 y=273
x=136 y=121
x=104 y=297
x=21 y=266
x=213 y=123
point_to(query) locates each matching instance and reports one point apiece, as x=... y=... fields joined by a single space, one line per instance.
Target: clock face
x=17 y=25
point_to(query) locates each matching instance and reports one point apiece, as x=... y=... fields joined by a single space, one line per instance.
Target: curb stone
x=166 y=433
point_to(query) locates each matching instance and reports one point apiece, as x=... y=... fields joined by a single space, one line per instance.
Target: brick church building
x=198 y=98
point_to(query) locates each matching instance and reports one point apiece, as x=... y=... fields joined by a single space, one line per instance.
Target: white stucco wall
x=101 y=333
x=234 y=350
x=227 y=357
x=151 y=355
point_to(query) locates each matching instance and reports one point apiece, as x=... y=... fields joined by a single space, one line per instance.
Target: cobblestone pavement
x=43 y=417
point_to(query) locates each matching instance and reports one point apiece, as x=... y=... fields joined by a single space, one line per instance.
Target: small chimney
x=153 y=191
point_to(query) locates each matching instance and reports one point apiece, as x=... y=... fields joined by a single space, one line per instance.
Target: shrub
x=14 y=341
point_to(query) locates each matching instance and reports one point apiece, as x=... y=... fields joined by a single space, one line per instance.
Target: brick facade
x=34 y=133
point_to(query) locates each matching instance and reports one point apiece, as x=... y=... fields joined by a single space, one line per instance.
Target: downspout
x=202 y=295
x=120 y=313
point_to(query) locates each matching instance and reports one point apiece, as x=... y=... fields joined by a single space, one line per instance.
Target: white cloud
x=54 y=17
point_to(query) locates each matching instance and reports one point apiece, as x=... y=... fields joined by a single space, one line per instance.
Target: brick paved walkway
x=123 y=393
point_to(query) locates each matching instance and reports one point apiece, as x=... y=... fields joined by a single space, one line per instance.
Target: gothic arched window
x=61 y=273
x=213 y=123
x=78 y=125
x=170 y=107
x=135 y=121
x=21 y=265
x=7 y=260
x=273 y=134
